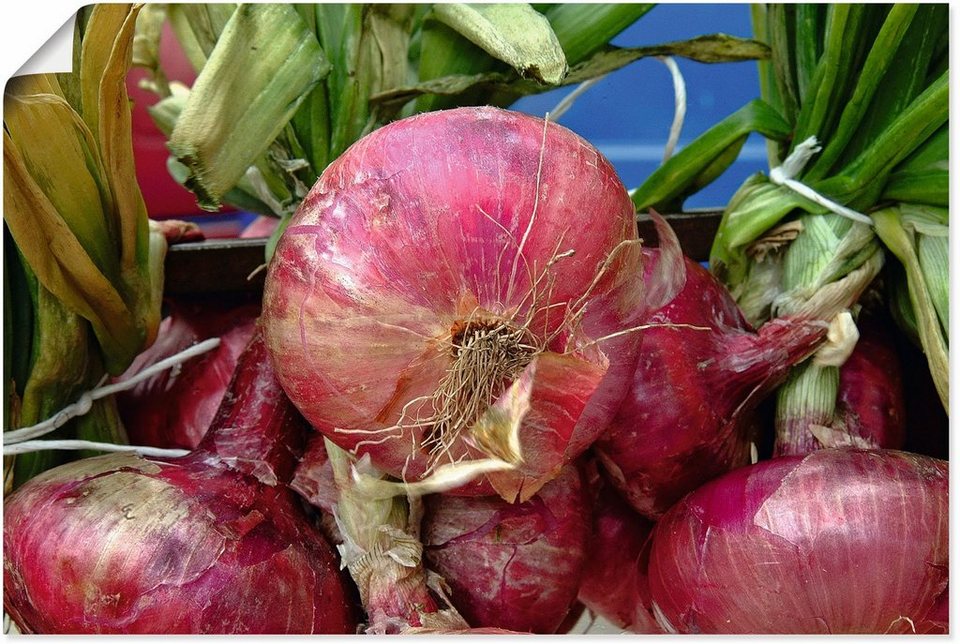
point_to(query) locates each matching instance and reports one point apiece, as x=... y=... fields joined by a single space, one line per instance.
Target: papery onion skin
x=615 y=584
x=701 y=374
x=175 y=407
x=516 y=567
x=413 y=235
x=838 y=541
x=212 y=542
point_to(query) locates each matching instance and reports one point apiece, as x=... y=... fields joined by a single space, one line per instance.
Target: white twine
x=784 y=174
x=85 y=402
x=679 y=106
x=25 y=447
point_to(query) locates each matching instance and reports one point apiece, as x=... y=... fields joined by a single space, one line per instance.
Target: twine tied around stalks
x=794 y=164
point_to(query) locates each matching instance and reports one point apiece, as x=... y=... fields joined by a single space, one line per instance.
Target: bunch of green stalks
x=83 y=265
x=854 y=105
x=282 y=90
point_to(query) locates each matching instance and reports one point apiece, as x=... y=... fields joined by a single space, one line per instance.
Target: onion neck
x=751 y=365
x=382 y=550
x=805 y=408
x=256 y=430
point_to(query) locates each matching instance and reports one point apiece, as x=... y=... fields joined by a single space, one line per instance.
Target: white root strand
x=567 y=101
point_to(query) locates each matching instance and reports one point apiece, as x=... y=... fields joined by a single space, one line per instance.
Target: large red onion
x=175 y=407
x=702 y=373
x=432 y=263
x=870 y=409
x=615 y=584
x=838 y=541
x=511 y=566
x=213 y=542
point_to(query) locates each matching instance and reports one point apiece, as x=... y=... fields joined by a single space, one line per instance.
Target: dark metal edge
x=236 y=265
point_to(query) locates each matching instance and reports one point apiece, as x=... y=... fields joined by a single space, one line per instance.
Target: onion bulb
x=174 y=408
x=839 y=541
x=870 y=409
x=433 y=263
x=511 y=566
x=212 y=542
x=701 y=375
x=615 y=584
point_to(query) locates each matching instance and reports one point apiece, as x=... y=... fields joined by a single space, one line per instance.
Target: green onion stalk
x=83 y=266
x=854 y=105
x=282 y=90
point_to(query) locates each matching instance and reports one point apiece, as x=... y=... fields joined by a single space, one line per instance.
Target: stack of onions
x=212 y=542
x=433 y=263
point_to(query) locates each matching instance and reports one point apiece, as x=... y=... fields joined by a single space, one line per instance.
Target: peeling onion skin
x=515 y=567
x=212 y=542
x=615 y=584
x=175 y=407
x=689 y=413
x=416 y=227
x=838 y=541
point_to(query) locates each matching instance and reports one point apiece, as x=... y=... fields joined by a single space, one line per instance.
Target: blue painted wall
x=628 y=114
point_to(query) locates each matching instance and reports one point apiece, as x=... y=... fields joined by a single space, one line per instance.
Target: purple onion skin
x=838 y=541
x=871 y=390
x=690 y=412
x=175 y=407
x=515 y=567
x=213 y=542
x=615 y=584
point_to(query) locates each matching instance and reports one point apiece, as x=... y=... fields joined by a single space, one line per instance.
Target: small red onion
x=838 y=541
x=701 y=374
x=615 y=584
x=870 y=409
x=434 y=243
x=511 y=566
x=871 y=400
x=175 y=407
x=212 y=542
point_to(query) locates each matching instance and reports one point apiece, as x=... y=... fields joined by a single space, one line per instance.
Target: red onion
x=615 y=584
x=702 y=373
x=511 y=566
x=436 y=260
x=212 y=542
x=870 y=409
x=175 y=407
x=838 y=541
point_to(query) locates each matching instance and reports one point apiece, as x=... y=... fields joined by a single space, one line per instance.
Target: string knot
x=794 y=164
x=84 y=403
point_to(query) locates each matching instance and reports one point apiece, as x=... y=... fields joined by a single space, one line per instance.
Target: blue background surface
x=628 y=114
